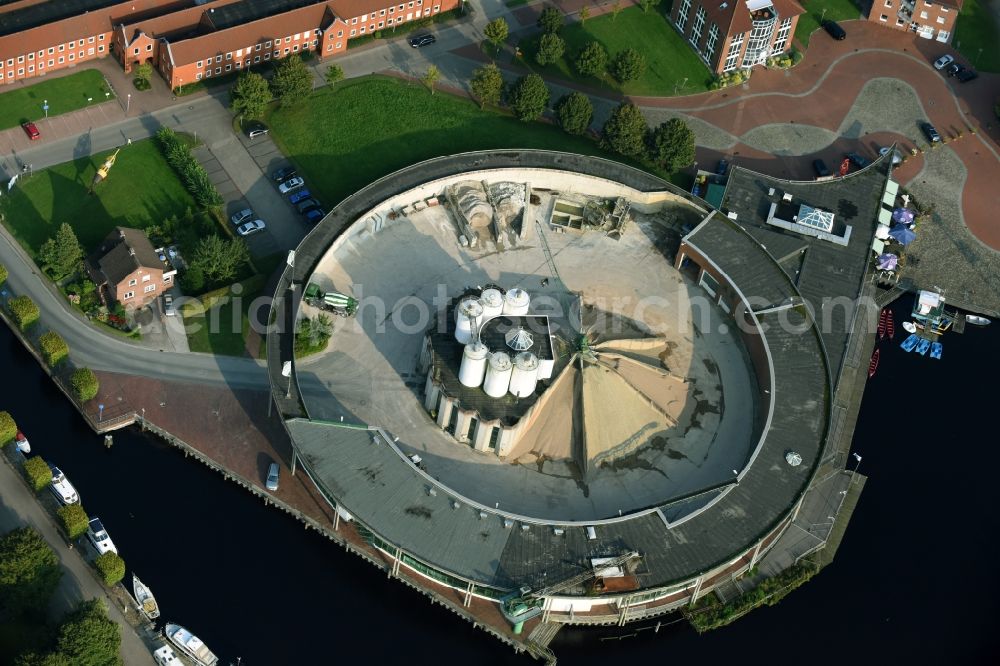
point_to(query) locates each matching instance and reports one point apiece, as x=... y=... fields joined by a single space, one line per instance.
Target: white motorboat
x=165 y=656
x=61 y=487
x=909 y=327
x=977 y=320
x=147 y=602
x=22 y=443
x=190 y=645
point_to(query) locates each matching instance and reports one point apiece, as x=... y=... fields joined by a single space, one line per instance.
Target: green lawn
x=140 y=190
x=977 y=36
x=64 y=94
x=672 y=67
x=219 y=331
x=836 y=10
x=345 y=137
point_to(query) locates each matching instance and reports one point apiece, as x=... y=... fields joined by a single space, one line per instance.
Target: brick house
x=187 y=41
x=930 y=20
x=128 y=270
x=736 y=34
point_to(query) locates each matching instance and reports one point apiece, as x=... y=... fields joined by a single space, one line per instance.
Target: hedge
x=85 y=384
x=111 y=566
x=53 y=347
x=8 y=428
x=74 y=520
x=24 y=310
x=3 y=273
x=192 y=174
x=38 y=472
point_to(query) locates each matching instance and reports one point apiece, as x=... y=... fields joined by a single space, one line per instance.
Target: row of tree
x=670 y=145
x=191 y=173
x=291 y=83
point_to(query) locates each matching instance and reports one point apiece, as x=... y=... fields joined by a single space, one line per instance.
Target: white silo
x=523 y=376
x=467 y=314
x=516 y=302
x=546 y=367
x=473 y=367
x=497 y=375
x=492 y=301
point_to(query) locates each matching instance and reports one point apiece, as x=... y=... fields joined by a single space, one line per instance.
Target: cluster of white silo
x=496 y=371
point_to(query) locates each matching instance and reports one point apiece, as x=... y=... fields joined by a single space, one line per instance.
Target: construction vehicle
x=339 y=304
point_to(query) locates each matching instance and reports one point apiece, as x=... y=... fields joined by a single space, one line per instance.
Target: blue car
x=299 y=196
x=314 y=215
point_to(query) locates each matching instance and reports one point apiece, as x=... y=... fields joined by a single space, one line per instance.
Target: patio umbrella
x=902 y=215
x=887 y=262
x=902 y=234
x=882 y=232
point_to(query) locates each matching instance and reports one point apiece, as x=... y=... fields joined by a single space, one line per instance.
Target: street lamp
x=128 y=101
x=45 y=107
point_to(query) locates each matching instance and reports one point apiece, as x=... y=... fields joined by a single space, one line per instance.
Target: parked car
x=722 y=168
x=966 y=75
x=252 y=227
x=859 y=161
x=290 y=185
x=31 y=131
x=820 y=168
x=242 y=216
x=314 y=215
x=943 y=61
x=897 y=157
x=953 y=69
x=299 y=196
x=272 y=477
x=422 y=40
x=283 y=174
x=99 y=537
x=307 y=204
x=168 y=306
x=931 y=133
x=834 y=29
x=255 y=129
x=61 y=487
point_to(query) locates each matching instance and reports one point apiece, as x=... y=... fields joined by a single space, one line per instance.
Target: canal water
x=916 y=578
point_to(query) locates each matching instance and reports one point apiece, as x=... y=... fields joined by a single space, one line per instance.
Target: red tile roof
x=171 y=23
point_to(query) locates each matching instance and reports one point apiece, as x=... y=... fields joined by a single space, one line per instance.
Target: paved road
x=19 y=508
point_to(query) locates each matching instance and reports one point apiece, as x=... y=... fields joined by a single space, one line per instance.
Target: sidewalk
x=18 y=508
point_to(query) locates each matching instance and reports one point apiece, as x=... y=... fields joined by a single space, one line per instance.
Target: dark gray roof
x=26 y=18
x=493 y=332
x=123 y=252
x=240 y=13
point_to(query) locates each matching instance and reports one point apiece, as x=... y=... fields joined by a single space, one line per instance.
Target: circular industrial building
x=560 y=383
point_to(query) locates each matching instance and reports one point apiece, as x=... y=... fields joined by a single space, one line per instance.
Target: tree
x=193 y=280
x=616 y=9
x=592 y=60
x=334 y=75
x=62 y=253
x=574 y=112
x=671 y=145
x=584 y=14
x=550 y=49
x=625 y=130
x=496 y=32
x=144 y=71
x=29 y=571
x=88 y=637
x=111 y=567
x=38 y=473
x=85 y=384
x=430 y=77
x=53 y=347
x=74 y=520
x=312 y=335
x=550 y=20
x=292 y=81
x=648 y=4
x=24 y=311
x=487 y=85
x=3 y=274
x=219 y=259
x=250 y=95
x=628 y=65
x=528 y=97
x=8 y=428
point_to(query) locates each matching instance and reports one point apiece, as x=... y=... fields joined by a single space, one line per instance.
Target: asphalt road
x=19 y=508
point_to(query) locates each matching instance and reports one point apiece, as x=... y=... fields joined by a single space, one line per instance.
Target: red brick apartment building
x=930 y=20
x=188 y=40
x=737 y=34
x=127 y=269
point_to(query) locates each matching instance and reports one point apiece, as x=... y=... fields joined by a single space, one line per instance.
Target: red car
x=31 y=131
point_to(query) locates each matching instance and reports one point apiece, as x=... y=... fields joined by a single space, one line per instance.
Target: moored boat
x=923 y=346
x=147 y=602
x=190 y=645
x=977 y=320
x=936 y=349
x=873 y=366
x=165 y=656
x=881 y=324
x=910 y=342
x=22 y=443
x=890 y=326
x=909 y=327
